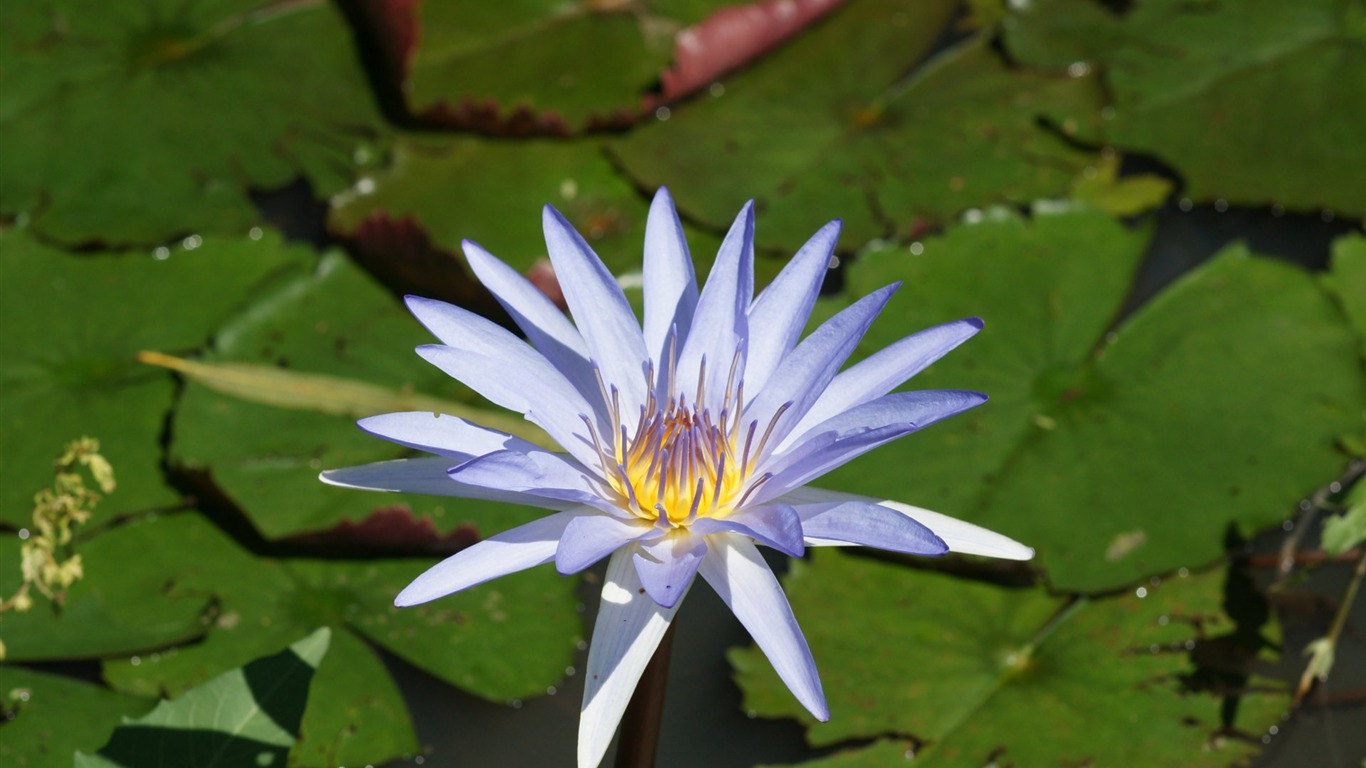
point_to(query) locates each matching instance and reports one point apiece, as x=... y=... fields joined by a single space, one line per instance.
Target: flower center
x=682 y=462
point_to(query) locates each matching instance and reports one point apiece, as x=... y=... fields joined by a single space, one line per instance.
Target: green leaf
x=245 y=718
x=332 y=321
x=1116 y=454
x=1221 y=91
x=138 y=125
x=73 y=327
x=47 y=717
x=430 y=181
x=972 y=670
x=859 y=138
x=331 y=395
x=510 y=639
x=482 y=66
x=106 y=613
x=1347 y=530
x=1347 y=281
x=1100 y=186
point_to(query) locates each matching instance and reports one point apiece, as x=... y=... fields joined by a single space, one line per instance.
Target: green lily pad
x=509 y=639
x=105 y=613
x=1221 y=92
x=1347 y=281
x=245 y=718
x=73 y=327
x=975 y=673
x=333 y=320
x=832 y=123
x=524 y=64
x=137 y=125
x=1115 y=454
x=492 y=192
x=53 y=716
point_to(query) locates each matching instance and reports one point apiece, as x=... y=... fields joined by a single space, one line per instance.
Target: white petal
x=525 y=546
x=670 y=283
x=961 y=536
x=545 y=326
x=629 y=627
x=720 y=324
x=734 y=568
x=427 y=475
x=601 y=312
x=442 y=434
x=780 y=313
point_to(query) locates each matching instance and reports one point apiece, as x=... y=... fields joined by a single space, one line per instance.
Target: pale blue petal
x=851 y=434
x=774 y=525
x=670 y=283
x=590 y=538
x=960 y=536
x=629 y=628
x=803 y=374
x=535 y=472
x=869 y=525
x=439 y=433
x=666 y=565
x=523 y=547
x=780 y=313
x=545 y=326
x=609 y=327
x=521 y=380
x=734 y=568
x=886 y=369
x=427 y=475
x=719 y=326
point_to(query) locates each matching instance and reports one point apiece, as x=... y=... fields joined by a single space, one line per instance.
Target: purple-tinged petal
x=960 y=536
x=521 y=380
x=601 y=312
x=534 y=472
x=734 y=568
x=525 y=546
x=853 y=433
x=780 y=313
x=545 y=326
x=590 y=538
x=629 y=628
x=720 y=323
x=886 y=369
x=670 y=283
x=802 y=375
x=869 y=525
x=439 y=433
x=666 y=566
x=427 y=475
x=774 y=525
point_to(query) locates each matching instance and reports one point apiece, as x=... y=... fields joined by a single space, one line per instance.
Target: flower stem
x=641 y=722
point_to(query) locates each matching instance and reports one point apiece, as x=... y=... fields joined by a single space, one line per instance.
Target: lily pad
x=523 y=65
x=506 y=640
x=336 y=321
x=47 y=717
x=973 y=673
x=492 y=192
x=135 y=125
x=73 y=328
x=1347 y=281
x=246 y=718
x=1222 y=92
x=832 y=122
x=1115 y=453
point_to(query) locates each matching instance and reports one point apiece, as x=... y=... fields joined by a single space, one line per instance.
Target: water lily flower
x=684 y=441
